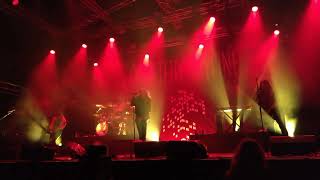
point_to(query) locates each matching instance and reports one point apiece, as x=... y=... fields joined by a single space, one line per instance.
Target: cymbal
x=100 y=106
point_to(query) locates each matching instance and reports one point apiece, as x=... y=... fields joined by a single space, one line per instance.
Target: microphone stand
x=134 y=124
x=260 y=111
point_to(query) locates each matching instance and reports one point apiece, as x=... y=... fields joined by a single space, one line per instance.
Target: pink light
x=84 y=45
x=95 y=64
x=276 y=32
x=52 y=52
x=254 y=8
x=201 y=46
x=212 y=19
x=146 y=56
x=15 y=2
x=160 y=29
x=111 y=40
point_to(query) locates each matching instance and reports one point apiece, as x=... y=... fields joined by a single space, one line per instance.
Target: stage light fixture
x=276 y=32
x=111 y=40
x=212 y=19
x=95 y=64
x=160 y=29
x=254 y=8
x=52 y=52
x=201 y=46
x=146 y=59
x=84 y=45
x=15 y=2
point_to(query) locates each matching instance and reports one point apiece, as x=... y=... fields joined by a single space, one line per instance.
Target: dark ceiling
x=30 y=29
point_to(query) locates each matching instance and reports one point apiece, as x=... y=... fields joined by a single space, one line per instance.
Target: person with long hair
x=142 y=104
x=266 y=100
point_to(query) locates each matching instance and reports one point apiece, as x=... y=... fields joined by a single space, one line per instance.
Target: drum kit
x=113 y=118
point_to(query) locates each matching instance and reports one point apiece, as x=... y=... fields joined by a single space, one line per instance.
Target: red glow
x=212 y=19
x=52 y=52
x=276 y=32
x=84 y=45
x=44 y=85
x=75 y=71
x=254 y=8
x=111 y=40
x=95 y=64
x=160 y=29
x=15 y=2
x=201 y=46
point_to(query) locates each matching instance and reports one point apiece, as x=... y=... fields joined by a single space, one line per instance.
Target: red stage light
x=254 y=8
x=201 y=46
x=276 y=32
x=212 y=19
x=146 y=60
x=160 y=29
x=15 y=2
x=52 y=52
x=112 y=40
x=84 y=45
x=95 y=64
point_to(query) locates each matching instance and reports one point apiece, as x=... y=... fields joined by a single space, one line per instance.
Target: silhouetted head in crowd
x=248 y=161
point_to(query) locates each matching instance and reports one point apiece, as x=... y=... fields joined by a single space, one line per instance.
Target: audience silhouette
x=248 y=162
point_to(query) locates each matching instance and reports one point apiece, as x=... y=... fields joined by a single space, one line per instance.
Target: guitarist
x=56 y=126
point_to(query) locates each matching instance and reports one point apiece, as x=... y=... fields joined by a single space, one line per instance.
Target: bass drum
x=102 y=128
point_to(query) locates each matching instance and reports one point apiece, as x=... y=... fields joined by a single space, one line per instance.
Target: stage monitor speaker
x=299 y=145
x=36 y=152
x=149 y=149
x=95 y=151
x=185 y=150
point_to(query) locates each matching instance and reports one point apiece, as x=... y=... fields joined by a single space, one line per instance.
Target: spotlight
x=84 y=45
x=15 y=2
x=160 y=29
x=146 y=60
x=95 y=64
x=212 y=19
x=254 y=8
x=111 y=40
x=276 y=32
x=201 y=46
x=52 y=52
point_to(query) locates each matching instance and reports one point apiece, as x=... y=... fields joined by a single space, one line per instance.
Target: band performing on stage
x=159 y=89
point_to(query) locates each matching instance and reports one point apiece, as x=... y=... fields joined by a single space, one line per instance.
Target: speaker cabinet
x=185 y=150
x=299 y=145
x=149 y=149
x=36 y=152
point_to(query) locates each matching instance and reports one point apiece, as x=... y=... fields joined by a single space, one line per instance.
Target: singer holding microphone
x=142 y=107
